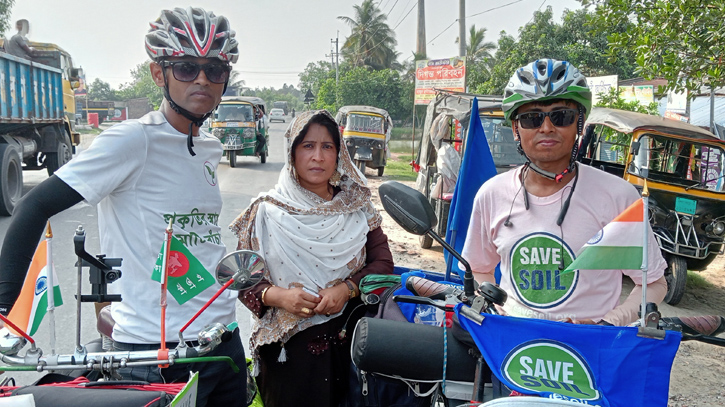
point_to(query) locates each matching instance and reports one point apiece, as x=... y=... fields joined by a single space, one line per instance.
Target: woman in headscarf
x=319 y=235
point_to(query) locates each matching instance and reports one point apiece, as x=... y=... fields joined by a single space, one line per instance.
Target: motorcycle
x=456 y=355
x=236 y=271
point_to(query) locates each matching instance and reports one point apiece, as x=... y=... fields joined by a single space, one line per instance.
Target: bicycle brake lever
x=412 y=299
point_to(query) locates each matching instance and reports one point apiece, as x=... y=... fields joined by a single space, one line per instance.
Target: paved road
x=238 y=185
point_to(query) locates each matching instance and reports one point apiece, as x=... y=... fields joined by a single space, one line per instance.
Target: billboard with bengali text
x=431 y=74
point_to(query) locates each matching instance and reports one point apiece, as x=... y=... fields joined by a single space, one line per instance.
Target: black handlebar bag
x=410 y=355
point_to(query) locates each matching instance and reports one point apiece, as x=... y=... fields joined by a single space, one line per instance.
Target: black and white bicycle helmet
x=191 y=32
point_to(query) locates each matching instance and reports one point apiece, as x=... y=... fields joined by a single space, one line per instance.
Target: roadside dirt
x=698 y=370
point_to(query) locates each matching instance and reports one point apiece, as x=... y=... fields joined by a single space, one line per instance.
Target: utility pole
x=335 y=56
x=462 y=28
x=420 y=41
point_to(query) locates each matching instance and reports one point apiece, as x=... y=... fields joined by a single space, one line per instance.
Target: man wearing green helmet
x=535 y=218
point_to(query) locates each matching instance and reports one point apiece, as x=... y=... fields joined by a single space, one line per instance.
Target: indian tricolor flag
x=32 y=304
x=618 y=246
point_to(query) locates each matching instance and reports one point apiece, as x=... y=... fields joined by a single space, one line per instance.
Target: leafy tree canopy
x=361 y=86
x=573 y=40
x=5 y=23
x=682 y=41
x=100 y=90
x=288 y=93
x=315 y=74
x=141 y=86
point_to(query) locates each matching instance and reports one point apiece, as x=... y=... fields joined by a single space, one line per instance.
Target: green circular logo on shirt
x=537 y=273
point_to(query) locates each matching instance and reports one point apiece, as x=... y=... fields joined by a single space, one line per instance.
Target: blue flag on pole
x=593 y=365
x=477 y=167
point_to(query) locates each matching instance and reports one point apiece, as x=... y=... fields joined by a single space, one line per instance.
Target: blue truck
x=37 y=117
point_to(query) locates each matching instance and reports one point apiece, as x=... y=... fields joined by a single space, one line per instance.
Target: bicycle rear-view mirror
x=408 y=207
x=245 y=267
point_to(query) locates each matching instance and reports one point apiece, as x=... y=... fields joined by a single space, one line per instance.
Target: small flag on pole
x=618 y=246
x=187 y=276
x=32 y=304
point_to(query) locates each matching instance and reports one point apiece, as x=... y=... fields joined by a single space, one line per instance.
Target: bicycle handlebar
x=699 y=328
x=209 y=338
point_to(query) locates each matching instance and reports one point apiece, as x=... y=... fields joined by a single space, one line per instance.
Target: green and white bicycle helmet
x=542 y=80
x=545 y=79
x=191 y=32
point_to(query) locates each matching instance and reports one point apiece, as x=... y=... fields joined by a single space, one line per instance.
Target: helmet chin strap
x=572 y=159
x=195 y=121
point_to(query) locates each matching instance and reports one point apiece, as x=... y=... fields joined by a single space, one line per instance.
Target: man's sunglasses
x=559 y=118
x=188 y=71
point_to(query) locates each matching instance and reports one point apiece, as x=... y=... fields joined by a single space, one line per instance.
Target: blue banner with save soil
x=590 y=364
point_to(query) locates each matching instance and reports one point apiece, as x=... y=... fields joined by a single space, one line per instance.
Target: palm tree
x=236 y=81
x=371 y=42
x=478 y=49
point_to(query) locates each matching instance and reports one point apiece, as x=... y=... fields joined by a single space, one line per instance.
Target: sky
x=278 y=38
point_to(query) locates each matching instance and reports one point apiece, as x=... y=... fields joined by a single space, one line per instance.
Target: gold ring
x=306 y=310
x=328 y=314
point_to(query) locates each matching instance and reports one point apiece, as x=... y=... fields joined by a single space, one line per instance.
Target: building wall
x=138 y=107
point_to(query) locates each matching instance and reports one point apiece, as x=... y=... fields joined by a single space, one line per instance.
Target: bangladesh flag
x=187 y=276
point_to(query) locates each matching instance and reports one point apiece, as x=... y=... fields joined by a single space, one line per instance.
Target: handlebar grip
x=427 y=288
x=709 y=325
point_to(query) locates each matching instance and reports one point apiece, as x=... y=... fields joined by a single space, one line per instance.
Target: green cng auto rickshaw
x=366 y=131
x=683 y=167
x=241 y=125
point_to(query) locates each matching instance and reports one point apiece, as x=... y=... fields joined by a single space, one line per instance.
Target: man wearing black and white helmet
x=535 y=218
x=142 y=174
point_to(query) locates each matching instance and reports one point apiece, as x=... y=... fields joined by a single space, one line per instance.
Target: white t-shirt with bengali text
x=531 y=250
x=140 y=174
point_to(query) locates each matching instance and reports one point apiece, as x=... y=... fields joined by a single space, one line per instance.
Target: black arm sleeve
x=26 y=227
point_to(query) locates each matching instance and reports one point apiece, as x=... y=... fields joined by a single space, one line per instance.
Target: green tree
x=100 y=90
x=288 y=93
x=362 y=86
x=574 y=40
x=315 y=74
x=142 y=86
x=613 y=99
x=478 y=49
x=371 y=42
x=680 y=40
x=5 y=23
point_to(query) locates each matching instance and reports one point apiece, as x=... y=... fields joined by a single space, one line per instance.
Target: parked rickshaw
x=446 y=125
x=240 y=124
x=366 y=131
x=684 y=167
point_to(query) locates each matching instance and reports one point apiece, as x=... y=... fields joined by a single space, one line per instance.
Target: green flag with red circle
x=187 y=276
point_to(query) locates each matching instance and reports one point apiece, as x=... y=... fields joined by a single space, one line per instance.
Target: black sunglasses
x=559 y=118
x=188 y=71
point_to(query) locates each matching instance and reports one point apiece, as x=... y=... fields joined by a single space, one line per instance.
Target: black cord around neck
x=195 y=121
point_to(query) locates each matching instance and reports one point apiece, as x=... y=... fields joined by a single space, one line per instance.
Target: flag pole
x=645 y=247
x=51 y=287
x=164 y=282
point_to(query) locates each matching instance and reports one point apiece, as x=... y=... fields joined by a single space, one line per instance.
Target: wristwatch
x=351 y=287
